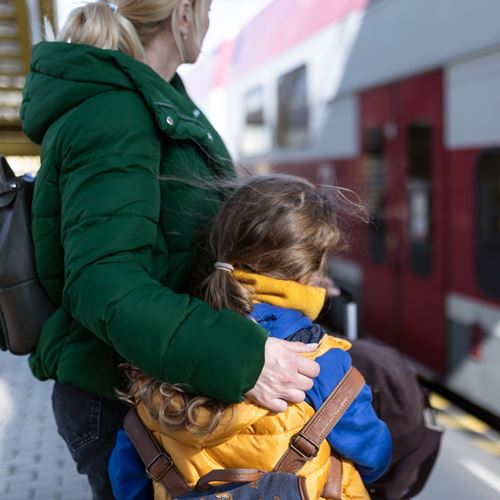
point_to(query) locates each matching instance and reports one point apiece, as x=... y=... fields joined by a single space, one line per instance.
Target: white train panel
x=337 y=130
x=473 y=102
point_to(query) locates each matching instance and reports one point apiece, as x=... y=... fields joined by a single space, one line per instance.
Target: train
x=398 y=100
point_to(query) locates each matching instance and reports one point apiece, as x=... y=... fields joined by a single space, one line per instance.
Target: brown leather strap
x=305 y=444
x=333 y=486
x=228 y=476
x=159 y=465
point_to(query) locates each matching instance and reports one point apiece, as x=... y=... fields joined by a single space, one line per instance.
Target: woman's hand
x=286 y=375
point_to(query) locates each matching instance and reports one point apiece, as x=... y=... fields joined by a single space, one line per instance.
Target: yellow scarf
x=283 y=293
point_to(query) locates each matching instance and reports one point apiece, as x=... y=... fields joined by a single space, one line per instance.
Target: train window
x=256 y=137
x=419 y=137
x=375 y=169
x=293 y=111
x=488 y=222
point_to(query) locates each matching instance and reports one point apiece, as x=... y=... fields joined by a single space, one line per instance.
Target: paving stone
x=15 y=496
x=5 y=470
x=4 y=487
x=21 y=489
x=23 y=478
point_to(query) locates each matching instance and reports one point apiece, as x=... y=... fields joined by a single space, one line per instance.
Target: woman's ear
x=184 y=14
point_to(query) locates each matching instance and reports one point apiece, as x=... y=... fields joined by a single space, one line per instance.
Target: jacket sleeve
x=359 y=436
x=109 y=151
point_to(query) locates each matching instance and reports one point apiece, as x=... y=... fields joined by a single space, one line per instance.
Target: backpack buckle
x=161 y=464
x=294 y=445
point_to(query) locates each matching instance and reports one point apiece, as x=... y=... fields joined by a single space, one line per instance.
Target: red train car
x=399 y=100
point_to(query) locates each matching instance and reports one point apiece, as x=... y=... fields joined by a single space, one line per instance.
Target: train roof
x=285 y=23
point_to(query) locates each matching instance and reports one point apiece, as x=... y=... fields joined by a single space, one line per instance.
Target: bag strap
x=333 y=486
x=159 y=465
x=305 y=444
x=228 y=476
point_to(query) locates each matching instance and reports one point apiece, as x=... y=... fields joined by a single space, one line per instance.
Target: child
x=269 y=246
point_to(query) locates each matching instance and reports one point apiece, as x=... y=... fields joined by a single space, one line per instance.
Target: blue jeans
x=88 y=423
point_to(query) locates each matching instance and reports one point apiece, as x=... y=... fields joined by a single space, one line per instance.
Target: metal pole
x=352 y=320
x=351 y=314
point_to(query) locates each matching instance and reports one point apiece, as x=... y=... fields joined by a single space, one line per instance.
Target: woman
x=114 y=245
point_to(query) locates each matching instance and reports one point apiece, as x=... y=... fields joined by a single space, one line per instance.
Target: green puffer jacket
x=115 y=244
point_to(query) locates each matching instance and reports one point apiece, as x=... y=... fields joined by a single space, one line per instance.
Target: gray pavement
x=34 y=461
x=463 y=471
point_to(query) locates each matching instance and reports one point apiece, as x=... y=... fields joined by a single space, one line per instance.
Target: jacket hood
x=63 y=75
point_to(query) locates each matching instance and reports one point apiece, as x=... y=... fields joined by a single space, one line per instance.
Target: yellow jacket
x=249 y=436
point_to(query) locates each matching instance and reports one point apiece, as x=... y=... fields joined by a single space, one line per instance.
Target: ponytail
x=125 y=25
x=99 y=25
x=222 y=291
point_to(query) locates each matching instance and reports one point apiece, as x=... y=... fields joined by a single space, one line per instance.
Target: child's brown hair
x=280 y=226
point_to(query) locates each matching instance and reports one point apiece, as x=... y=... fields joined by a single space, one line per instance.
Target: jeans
x=88 y=423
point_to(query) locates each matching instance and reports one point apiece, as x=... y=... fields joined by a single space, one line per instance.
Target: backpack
x=249 y=484
x=24 y=304
x=401 y=403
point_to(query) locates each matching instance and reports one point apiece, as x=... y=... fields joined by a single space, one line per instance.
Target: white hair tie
x=224 y=266
x=113 y=7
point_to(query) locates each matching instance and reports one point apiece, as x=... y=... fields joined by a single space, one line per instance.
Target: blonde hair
x=129 y=28
x=280 y=226
x=171 y=405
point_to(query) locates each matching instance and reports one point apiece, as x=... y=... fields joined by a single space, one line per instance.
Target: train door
x=378 y=170
x=402 y=144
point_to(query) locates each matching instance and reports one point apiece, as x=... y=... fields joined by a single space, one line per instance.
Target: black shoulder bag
x=24 y=304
